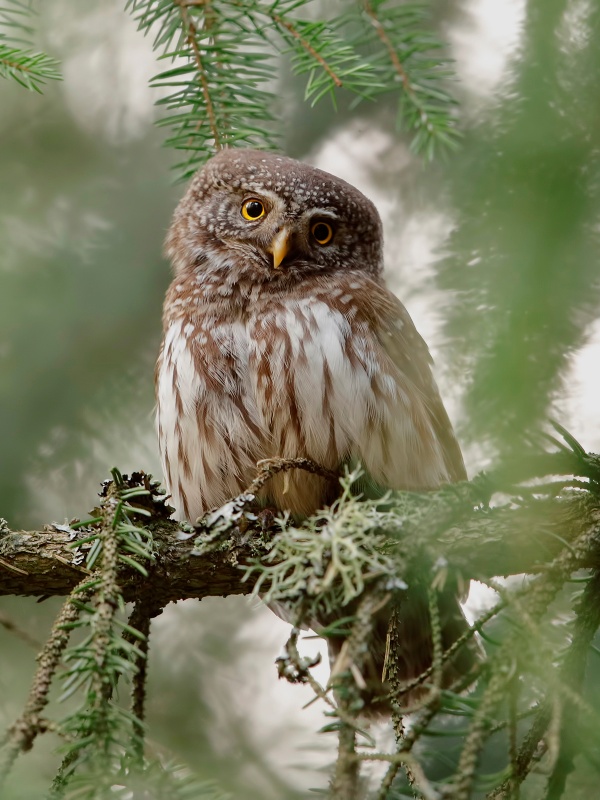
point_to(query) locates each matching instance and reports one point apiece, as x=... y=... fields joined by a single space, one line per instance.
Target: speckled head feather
x=208 y=218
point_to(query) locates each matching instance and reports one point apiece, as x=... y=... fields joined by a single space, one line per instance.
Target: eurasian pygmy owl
x=282 y=340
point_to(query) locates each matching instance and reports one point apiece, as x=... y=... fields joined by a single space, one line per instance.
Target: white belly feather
x=291 y=383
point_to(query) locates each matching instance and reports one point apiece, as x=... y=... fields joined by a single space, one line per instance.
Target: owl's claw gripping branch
x=268 y=467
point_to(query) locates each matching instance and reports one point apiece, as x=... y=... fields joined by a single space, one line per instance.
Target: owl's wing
x=407 y=441
x=408 y=351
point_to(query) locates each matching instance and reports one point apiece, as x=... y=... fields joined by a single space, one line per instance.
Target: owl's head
x=262 y=211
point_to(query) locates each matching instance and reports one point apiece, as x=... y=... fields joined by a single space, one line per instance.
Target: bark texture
x=482 y=544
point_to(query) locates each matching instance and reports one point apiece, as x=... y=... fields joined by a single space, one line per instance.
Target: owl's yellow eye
x=253 y=209
x=322 y=231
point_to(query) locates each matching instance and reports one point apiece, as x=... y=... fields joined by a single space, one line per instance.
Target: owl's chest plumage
x=241 y=382
x=291 y=374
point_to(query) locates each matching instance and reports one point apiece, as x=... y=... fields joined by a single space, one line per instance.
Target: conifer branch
x=18 y=60
x=304 y=43
x=22 y=734
x=191 y=34
x=500 y=541
x=220 y=90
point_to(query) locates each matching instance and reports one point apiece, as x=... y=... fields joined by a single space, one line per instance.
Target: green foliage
x=214 y=95
x=104 y=741
x=102 y=731
x=17 y=60
x=408 y=60
x=221 y=92
x=521 y=264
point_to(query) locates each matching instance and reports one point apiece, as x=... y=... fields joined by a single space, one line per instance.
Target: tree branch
x=483 y=543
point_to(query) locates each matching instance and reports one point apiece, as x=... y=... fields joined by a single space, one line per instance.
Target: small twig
x=386 y=41
x=410 y=764
x=193 y=43
x=321 y=692
x=291 y=648
x=18 y=570
x=405 y=743
x=405 y=688
x=307 y=46
x=344 y=785
x=140 y=619
x=465 y=771
x=436 y=637
x=106 y=605
x=22 y=733
x=392 y=771
x=389 y=777
x=503 y=724
x=59 y=783
x=513 y=700
x=526 y=753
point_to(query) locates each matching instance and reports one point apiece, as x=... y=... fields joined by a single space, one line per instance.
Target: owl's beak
x=280 y=247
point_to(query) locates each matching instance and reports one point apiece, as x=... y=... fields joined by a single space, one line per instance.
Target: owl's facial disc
x=284 y=231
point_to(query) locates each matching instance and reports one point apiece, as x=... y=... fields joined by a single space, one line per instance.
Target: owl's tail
x=401 y=652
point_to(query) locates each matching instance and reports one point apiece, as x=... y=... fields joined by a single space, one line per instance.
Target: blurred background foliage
x=495 y=251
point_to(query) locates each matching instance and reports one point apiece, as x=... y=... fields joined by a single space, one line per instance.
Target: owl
x=282 y=340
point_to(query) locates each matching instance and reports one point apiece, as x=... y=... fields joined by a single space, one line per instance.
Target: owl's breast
x=209 y=427
x=310 y=368
x=279 y=380
x=292 y=376
x=327 y=389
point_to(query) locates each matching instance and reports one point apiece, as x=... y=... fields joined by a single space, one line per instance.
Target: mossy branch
x=502 y=541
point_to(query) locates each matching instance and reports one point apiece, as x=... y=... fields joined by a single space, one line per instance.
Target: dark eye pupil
x=321 y=231
x=254 y=209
